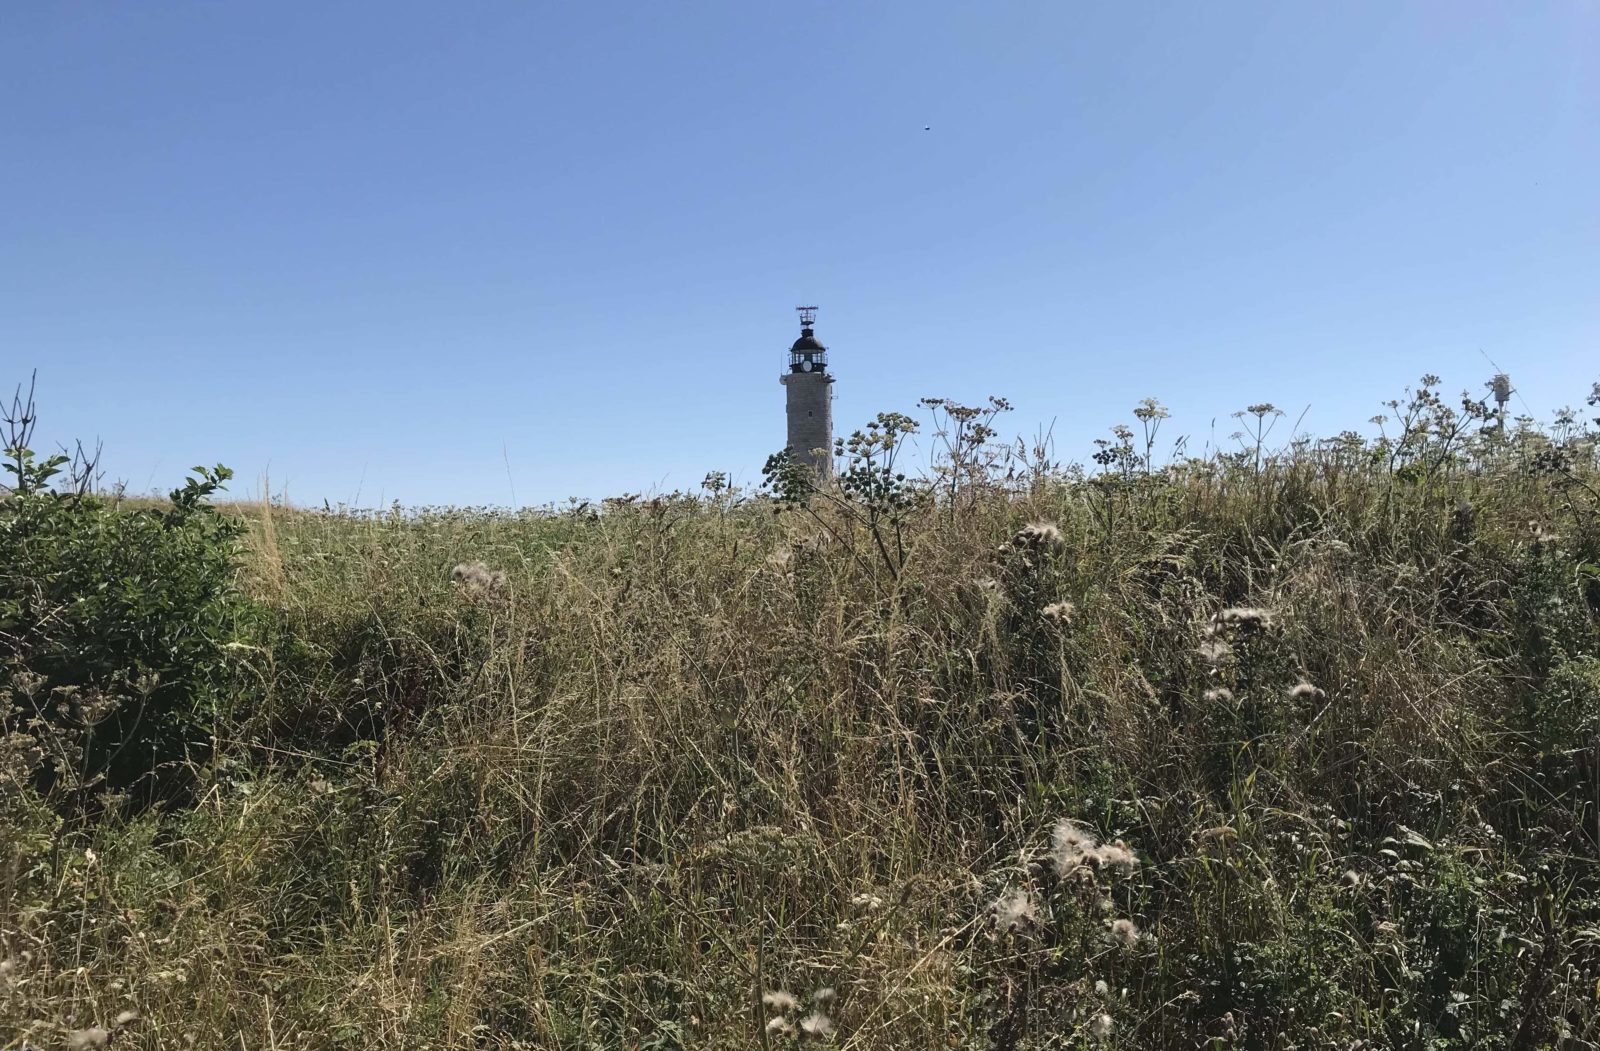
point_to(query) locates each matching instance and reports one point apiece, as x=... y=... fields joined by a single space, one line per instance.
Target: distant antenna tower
x=808 y=316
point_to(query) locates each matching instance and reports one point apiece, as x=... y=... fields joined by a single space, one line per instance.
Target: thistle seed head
x=816 y=1025
x=781 y=1001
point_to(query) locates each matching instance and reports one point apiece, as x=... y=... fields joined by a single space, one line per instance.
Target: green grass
x=695 y=750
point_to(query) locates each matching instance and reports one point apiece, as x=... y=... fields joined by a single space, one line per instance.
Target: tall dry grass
x=1032 y=786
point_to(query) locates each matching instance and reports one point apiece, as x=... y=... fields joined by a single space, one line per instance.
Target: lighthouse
x=810 y=399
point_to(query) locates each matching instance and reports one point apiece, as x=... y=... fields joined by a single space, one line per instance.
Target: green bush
x=113 y=627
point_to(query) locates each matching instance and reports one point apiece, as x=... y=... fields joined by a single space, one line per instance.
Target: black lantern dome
x=807 y=354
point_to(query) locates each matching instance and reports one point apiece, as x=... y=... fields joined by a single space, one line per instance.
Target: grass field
x=1277 y=748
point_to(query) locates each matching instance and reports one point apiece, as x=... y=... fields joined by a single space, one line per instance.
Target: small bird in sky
x=927 y=127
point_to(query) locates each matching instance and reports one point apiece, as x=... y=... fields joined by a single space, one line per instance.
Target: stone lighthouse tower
x=810 y=399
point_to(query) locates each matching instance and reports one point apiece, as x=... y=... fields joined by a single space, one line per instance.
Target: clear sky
x=484 y=252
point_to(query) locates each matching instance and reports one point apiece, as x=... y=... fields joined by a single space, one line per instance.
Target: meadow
x=1277 y=746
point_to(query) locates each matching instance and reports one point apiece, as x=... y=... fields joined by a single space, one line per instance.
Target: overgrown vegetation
x=1267 y=748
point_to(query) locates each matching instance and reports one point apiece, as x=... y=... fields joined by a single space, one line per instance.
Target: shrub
x=113 y=626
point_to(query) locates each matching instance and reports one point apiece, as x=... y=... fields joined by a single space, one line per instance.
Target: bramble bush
x=114 y=623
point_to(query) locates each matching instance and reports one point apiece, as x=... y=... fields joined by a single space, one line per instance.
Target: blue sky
x=497 y=252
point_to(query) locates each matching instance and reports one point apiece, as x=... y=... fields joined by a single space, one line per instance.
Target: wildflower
x=88 y=707
x=778 y=1000
x=84 y=1039
x=20 y=756
x=816 y=1024
x=1013 y=912
x=1125 y=932
x=1059 y=613
x=1303 y=691
x=27 y=683
x=1220 y=695
x=1245 y=618
x=1100 y=1028
x=780 y=1026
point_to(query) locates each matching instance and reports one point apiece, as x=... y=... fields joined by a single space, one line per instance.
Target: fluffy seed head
x=1038 y=537
x=1220 y=695
x=477 y=578
x=1101 y=1027
x=779 y=1000
x=86 y=1039
x=1072 y=847
x=1244 y=618
x=816 y=1024
x=1117 y=858
x=1014 y=911
x=1124 y=932
x=1303 y=691
x=1058 y=613
x=780 y=1026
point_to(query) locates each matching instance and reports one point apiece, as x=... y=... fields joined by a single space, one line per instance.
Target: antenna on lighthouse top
x=808 y=315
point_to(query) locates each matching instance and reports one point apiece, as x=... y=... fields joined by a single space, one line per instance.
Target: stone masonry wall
x=810 y=412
